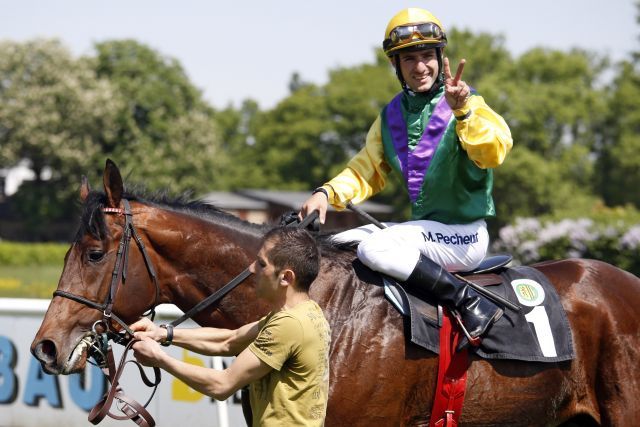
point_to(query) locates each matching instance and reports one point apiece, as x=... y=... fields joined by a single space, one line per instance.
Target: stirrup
x=467 y=339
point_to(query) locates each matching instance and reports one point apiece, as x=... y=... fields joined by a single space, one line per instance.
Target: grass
x=30 y=270
x=29 y=281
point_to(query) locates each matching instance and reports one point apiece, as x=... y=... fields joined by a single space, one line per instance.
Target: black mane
x=92 y=218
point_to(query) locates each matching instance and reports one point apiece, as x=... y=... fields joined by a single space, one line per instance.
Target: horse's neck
x=338 y=286
x=198 y=256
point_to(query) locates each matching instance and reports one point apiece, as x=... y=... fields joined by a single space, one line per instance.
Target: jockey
x=444 y=140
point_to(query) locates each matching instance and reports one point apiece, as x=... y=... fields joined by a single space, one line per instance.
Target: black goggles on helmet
x=406 y=33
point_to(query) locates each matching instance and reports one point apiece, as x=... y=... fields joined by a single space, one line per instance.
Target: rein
x=220 y=293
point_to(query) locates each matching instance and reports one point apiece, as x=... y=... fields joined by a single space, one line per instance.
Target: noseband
x=119 y=274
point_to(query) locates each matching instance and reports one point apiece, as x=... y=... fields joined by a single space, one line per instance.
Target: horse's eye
x=95 y=256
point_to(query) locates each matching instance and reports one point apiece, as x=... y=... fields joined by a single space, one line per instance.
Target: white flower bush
x=530 y=240
x=631 y=239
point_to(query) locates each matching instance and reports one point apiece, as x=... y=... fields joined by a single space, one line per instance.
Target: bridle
x=119 y=274
x=100 y=349
x=120 y=271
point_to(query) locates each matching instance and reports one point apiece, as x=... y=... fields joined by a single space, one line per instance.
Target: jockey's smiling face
x=419 y=69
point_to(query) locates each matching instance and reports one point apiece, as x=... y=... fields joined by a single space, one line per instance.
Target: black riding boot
x=477 y=311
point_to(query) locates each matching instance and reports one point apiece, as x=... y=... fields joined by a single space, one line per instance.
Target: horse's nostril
x=46 y=351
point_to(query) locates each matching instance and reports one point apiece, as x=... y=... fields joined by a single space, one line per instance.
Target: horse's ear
x=84 y=188
x=113 y=186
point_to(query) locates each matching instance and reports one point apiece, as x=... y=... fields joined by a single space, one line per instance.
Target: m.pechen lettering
x=451 y=239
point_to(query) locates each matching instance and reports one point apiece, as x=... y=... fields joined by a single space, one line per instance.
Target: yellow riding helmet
x=413 y=28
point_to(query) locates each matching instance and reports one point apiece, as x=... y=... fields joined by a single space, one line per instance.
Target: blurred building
x=267 y=206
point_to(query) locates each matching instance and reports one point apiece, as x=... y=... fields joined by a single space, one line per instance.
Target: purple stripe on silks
x=414 y=164
x=398 y=130
x=420 y=157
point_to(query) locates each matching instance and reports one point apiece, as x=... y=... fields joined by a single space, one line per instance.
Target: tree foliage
x=54 y=111
x=167 y=134
x=619 y=154
x=64 y=116
x=310 y=134
x=55 y=115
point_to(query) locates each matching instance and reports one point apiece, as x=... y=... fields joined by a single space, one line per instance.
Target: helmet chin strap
x=434 y=87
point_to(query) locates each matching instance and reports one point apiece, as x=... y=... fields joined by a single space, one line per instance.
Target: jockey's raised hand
x=456 y=90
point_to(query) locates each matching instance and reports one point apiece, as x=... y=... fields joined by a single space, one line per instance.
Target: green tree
x=486 y=59
x=167 y=135
x=529 y=185
x=619 y=154
x=311 y=134
x=238 y=127
x=64 y=116
x=555 y=109
x=54 y=114
x=553 y=100
x=288 y=139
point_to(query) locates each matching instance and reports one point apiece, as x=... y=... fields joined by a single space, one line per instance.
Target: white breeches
x=395 y=250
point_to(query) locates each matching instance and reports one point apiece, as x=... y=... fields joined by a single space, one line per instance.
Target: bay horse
x=377 y=376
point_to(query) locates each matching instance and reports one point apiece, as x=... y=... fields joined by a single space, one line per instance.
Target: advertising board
x=30 y=398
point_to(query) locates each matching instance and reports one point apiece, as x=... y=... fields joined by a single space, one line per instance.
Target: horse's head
x=91 y=296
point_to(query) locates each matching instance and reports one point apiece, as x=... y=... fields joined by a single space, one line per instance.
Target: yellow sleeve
x=483 y=134
x=365 y=174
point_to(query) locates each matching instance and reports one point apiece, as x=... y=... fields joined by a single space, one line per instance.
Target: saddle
x=539 y=331
x=484 y=275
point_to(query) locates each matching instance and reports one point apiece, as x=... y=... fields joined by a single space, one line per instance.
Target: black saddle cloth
x=539 y=332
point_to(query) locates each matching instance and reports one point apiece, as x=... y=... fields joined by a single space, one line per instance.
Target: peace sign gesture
x=456 y=91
